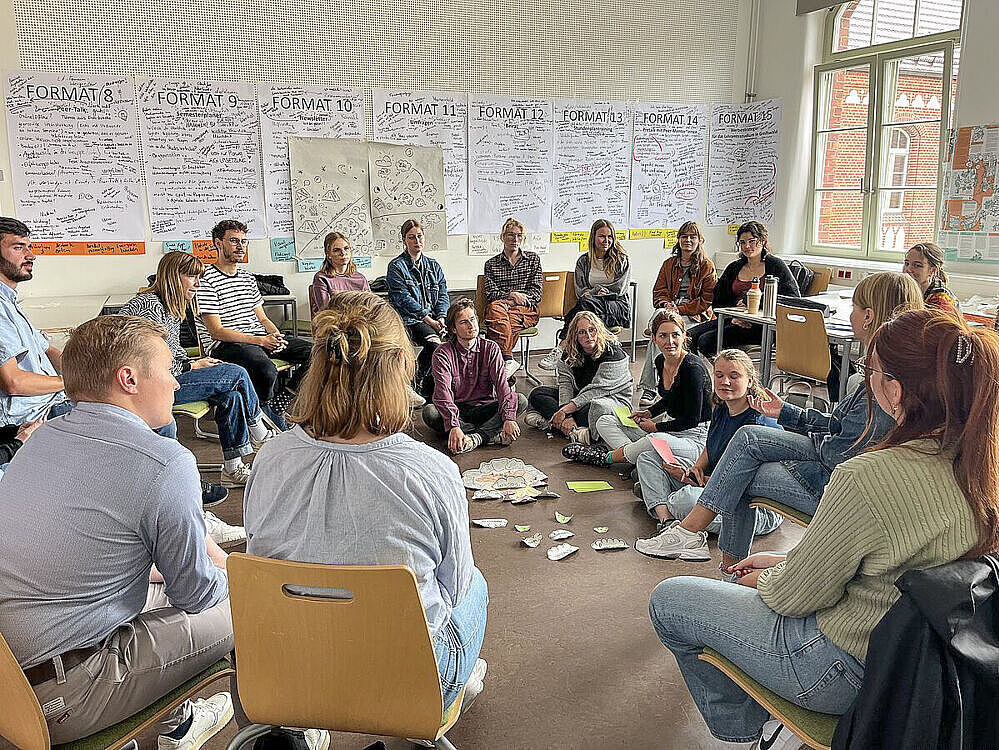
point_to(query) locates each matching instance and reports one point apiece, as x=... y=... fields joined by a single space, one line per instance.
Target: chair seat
x=192 y=409
x=813 y=728
x=111 y=736
x=616 y=329
x=281 y=365
x=304 y=327
x=529 y=332
x=193 y=351
x=647 y=333
x=802 y=519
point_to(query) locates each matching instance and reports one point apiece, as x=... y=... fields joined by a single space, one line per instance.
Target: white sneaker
x=648 y=398
x=472 y=442
x=208 y=717
x=221 y=532
x=258 y=444
x=510 y=368
x=548 y=361
x=776 y=736
x=535 y=420
x=317 y=739
x=415 y=399
x=237 y=478
x=676 y=543
x=580 y=435
x=474 y=685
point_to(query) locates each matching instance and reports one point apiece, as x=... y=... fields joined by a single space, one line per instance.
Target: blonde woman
x=227 y=387
x=793 y=466
x=593 y=376
x=337 y=274
x=347 y=486
x=601 y=282
x=925 y=264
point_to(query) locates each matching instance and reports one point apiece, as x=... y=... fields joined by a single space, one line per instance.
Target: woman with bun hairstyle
x=347 y=486
x=927 y=494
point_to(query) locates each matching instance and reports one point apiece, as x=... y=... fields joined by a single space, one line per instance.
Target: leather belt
x=46 y=670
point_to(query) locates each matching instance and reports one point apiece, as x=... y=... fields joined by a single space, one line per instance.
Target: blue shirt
x=723 y=426
x=21 y=341
x=89 y=504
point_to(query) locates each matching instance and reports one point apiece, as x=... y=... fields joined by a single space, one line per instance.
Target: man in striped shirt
x=233 y=326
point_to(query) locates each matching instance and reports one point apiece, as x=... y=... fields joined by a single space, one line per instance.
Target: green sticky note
x=522 y=527
x=624 y=414
x=590 y=486
x=562 y=518
x=601 y=529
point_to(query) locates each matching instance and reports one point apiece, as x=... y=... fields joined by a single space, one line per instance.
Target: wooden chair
x=802 y=519
x=339 y=647
x=23 y=724
x=811 y=727
x=823 y=275
x=802 y=347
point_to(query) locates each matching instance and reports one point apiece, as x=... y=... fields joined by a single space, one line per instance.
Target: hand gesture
x=200 y=364
x=455 y=440
x=646 y=424
x=769 y=404
x=511 y=430
x=695 y=476
x=25 y=430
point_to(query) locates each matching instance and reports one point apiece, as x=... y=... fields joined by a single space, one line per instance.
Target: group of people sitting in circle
x=896 y=477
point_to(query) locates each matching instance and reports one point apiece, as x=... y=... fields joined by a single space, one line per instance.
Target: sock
x=507 y=357
x=610 y=458
x=257 y=429
x=230 y=464
x=180 y=731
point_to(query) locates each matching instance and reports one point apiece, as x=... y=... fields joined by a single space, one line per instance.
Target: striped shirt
x=149 y=305
x=233 y=299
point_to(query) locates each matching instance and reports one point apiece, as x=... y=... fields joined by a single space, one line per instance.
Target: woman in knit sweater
x=926 y=495
x=593 y=376
x=680 y=416
x=338 y=273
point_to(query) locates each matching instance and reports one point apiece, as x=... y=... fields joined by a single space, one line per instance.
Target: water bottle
x=770 y=296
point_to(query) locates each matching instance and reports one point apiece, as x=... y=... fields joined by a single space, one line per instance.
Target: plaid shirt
x=502 y=278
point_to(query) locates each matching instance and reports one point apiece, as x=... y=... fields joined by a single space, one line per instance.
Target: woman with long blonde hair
x=347 y=486
x=337 y=274
x=227 y=387
x=593 y=376
x=601 y=282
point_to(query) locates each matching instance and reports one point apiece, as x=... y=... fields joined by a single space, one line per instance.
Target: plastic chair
x=23 y=724
x=791 y=514
x=811 y=727
x=339 y=647
x=802 y=346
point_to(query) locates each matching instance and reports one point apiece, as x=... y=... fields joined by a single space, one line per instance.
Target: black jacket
x=786 y=284
x=932 y=673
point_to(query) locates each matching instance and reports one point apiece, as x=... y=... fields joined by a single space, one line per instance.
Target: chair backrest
x=570 y=292
x=337 y=647
x=823 y=275
x=21 y=719
x=553 y=291
x=802 y=343
x=311 y=299
x=480 y=298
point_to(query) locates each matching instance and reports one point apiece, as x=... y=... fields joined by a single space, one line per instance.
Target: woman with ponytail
x=347 y=486
x=925 y=495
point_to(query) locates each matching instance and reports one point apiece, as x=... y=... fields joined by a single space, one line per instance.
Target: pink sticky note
x=663 y=449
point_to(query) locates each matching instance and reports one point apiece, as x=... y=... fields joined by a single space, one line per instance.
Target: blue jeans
x=458 y=642
x=788 y=655
x=761 y=462
x=227 y=388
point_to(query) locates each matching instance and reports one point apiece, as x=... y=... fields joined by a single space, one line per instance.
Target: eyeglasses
x=747 y=243
x=514 y=236
x=866 y=370
x=236 y=242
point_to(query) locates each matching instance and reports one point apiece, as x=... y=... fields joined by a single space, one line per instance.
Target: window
x=882 y=102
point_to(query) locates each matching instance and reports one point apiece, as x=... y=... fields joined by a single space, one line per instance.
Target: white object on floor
x=548 y=361
x=490 y=523
x=580 y=435
x=510 y=368
x=237 y=477
x=561 y=551
x=559 y=534
x=209 y=715
x=221 y=532
x=676 y=543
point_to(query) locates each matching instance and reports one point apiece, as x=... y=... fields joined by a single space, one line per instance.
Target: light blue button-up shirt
x=21 y=341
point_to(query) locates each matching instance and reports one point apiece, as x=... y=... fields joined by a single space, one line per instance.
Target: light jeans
x=682 y=500
x=459 y=640
x=788 y=655
x=635 y=440
x=760 y=461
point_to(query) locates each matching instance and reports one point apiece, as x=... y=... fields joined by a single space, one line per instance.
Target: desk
x=115 y=302
x=838 y=329
x=59 y=314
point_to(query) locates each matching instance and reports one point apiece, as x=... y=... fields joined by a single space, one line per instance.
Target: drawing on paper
x=406 y=182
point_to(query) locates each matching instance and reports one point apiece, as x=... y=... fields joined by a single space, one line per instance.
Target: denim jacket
x=417 y=290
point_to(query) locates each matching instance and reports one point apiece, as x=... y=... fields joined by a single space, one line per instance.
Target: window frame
x=876 y=172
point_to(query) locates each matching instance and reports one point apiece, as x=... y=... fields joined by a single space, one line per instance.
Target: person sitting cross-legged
x=473 y=401
x=111 y=593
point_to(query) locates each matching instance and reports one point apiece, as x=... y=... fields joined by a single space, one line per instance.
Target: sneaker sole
x=230 y=484
x=213 y=503
x=686 y=555
x=324 y=745
x=213 y=730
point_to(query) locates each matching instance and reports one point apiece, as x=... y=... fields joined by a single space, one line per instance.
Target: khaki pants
x=140 y=662
x=505 y=320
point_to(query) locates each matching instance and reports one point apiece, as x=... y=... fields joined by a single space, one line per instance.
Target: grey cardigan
x=612 y=380
x=581 y=277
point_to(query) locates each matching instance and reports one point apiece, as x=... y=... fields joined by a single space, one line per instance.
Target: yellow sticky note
x=624 y=415
x=591 y=486
x=733 y=229
x=670 y=238
x=621 y=234
x=584 y=246
x=569 y=236
x=647 y=234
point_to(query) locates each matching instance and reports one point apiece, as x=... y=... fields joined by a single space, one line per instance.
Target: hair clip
x=334 y=348
x=965 y=350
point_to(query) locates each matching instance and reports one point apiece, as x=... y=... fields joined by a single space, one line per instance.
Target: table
x=838 y=329
x=59 y=314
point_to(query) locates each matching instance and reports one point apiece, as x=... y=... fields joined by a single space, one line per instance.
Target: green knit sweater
x=882 y=513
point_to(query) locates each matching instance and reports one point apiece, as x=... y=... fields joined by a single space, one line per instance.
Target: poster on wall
x=329 y=192
x=420 y=118
x=201 y=150
x=969 y=218
x=592 y=164
x=742 y=159
x=406 y=182
x=317 y=111
x=510 y=162
x=74 y=157
x=668 y=165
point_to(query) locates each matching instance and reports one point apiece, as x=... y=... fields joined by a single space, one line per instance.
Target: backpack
x=802 y=274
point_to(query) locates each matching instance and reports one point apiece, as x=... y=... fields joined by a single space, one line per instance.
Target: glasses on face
x=866 y=370
x=237 y=242
x=748 y=243
x=514 y=235
x=691 y=237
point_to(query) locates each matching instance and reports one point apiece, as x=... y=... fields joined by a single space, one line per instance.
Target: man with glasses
x=233 y=326
x=513 y=292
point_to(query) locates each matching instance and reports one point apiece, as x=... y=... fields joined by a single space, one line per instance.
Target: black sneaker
x=212 y=494
x=585 y=454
